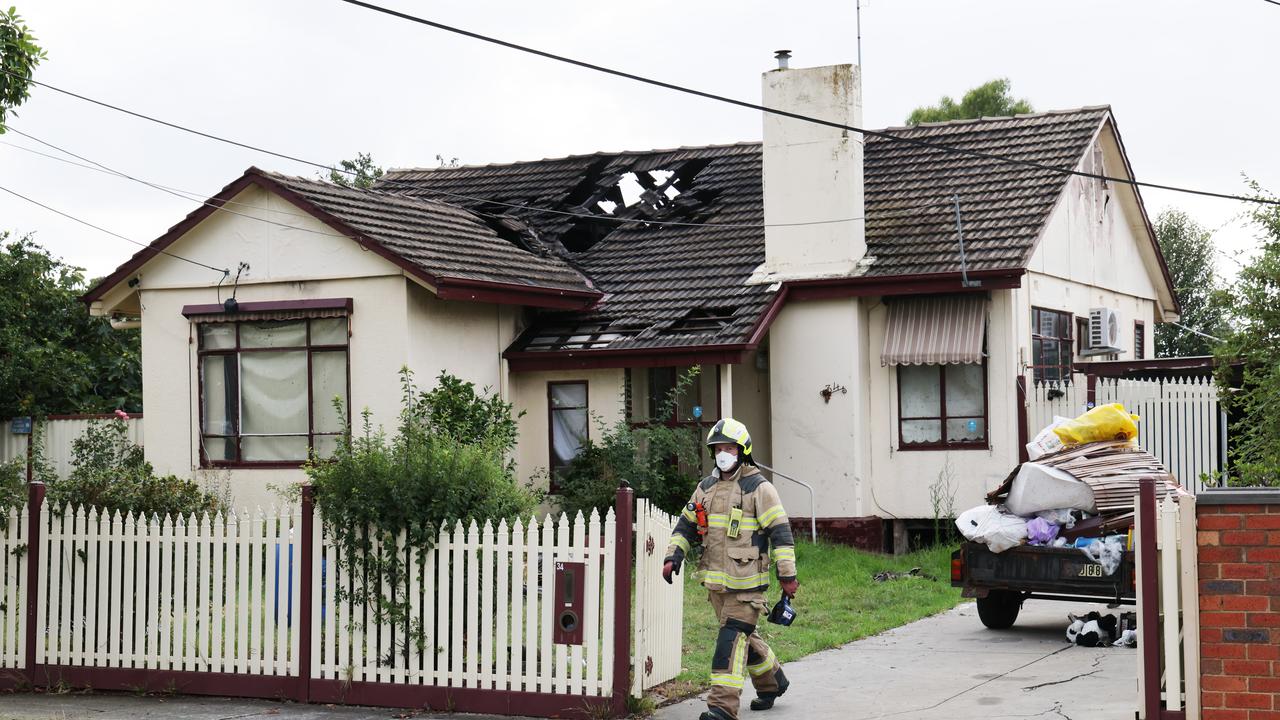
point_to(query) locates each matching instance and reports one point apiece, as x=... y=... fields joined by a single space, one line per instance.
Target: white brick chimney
x=812 y=172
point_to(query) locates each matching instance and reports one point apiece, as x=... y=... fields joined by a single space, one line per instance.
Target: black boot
x=714 y=714
x=764 y=701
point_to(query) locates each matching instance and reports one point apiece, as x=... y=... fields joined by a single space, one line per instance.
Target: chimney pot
x=784 y=58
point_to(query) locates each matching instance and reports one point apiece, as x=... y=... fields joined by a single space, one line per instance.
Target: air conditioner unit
x=1104 y=332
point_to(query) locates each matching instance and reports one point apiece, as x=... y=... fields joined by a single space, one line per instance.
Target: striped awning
x=935 y=330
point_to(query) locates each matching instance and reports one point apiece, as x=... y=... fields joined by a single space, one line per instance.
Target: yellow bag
x=1105 y=422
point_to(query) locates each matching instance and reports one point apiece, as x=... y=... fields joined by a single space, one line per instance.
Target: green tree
x=19 y=56
x=1188 y=250
x=988 y=100
x=360 y=173
x=54 y=356
x=1249 y=371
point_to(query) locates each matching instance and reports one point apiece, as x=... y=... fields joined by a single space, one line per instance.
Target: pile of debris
x=1077 y=492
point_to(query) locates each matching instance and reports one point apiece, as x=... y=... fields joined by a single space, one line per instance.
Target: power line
x=793 y=115
x=194 y=197
x=113 y=234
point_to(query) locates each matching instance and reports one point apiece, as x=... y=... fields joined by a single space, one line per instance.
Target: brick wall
x=1238 y=533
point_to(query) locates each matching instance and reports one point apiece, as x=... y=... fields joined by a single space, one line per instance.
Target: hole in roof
x=639 y=194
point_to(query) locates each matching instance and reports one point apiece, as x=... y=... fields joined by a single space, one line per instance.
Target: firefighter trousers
x=740 y=651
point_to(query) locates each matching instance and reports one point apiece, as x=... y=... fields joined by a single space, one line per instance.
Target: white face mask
x=726 y=460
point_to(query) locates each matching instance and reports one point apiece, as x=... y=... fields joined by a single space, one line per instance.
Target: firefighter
x=737 y=517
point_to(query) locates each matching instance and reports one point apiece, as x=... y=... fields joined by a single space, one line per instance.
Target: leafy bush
x=448 y=461
x=110 y=472
x=13 y=485
x=662 y=463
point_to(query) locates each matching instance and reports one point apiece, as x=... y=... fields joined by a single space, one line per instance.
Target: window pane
x=965 y=394
x=220 y=449
x=1044 y=323
x=662 y=381
x=966 y=430
x=264 y=449
x=273 y=334
x=325 y=445
x=273 y=394
x=218 y=384
x=329 y=331
x=1048 y=353
x=328 y=380
x=217 y=336
x=569 y=396
x=915 y=432
x=920 y=391
x=568 y=430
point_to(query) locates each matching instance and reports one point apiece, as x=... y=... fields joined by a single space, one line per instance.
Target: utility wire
x=797 y=116
x=114 y=234
x=188 y=195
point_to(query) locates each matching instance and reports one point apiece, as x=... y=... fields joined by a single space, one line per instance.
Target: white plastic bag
x=1061 y=516
x=1107 y=552
x=998 y=529
x=1046 y=440
x=1040 y=487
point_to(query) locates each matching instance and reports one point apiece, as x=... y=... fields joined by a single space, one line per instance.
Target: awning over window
x=270 y=310
x=935 y=330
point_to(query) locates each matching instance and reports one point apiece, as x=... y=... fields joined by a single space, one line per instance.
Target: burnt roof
x=685 y=284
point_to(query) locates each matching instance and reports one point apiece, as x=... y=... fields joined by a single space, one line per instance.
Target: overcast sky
x=1192 y=84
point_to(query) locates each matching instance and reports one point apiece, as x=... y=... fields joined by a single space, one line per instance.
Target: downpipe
x=813 y=507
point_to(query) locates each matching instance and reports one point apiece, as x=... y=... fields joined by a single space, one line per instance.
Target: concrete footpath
x=947 y=666
x=951 y=666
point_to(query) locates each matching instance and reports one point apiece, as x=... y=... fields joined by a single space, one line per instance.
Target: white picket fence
x=484 y=599
x=196 y=593
x=1180 y=420
x=13 y=594
x=659 y=612
x=1177 y=599
x=57 y=435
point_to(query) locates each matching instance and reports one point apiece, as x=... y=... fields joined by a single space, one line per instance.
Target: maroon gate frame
x=302 y=687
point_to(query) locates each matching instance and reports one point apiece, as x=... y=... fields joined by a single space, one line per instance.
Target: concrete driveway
x=951 y=666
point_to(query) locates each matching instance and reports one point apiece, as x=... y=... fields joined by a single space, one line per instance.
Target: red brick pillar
x=1238 y=539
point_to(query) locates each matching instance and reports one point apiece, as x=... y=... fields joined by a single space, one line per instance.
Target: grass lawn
x=838 y=603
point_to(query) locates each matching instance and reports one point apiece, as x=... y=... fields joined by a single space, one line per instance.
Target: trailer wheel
x=999 y=609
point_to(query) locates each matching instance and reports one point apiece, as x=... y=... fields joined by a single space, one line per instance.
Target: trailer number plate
x=1091 y=570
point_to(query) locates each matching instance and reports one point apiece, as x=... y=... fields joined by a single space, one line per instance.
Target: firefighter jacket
x=747 y=530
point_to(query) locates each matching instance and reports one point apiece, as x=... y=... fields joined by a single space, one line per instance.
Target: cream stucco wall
x=814 y=344
x=529 y=393
x=748 y=401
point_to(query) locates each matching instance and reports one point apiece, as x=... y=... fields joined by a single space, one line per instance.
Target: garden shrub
x=661 y=463
x=110 y=472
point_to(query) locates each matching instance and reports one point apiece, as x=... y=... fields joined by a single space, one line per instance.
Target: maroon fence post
x=1148 y=622
x=35 y=501
x=1020 y=385
x=306 y=588
x=624 y=538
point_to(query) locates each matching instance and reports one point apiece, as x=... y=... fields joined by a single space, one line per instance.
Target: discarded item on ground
x=1107 y=552
x=1047 y=441
x=997 y=528
x=1039 y=487
x=884 y=575
x=1099 y=630
x=1040 y=531
x=1128 y=638
x=1104 y=422
x=1061 y=517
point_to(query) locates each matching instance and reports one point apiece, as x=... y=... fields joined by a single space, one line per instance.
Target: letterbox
x=567 y=607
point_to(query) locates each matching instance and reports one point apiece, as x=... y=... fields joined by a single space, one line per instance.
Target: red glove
x=790 y=586
x=667 y=570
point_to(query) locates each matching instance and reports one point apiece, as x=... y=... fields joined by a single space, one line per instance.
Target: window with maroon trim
x=942 y=406
x=267 y=389
x=1050 y=345
x=568 y=423
x=1139 y=340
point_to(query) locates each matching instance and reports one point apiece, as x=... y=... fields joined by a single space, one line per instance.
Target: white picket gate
x=659 y=610
x=13 y=594
x=483 y=598
x=193 y=593
x=1180 y=420
x=1176 y=635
